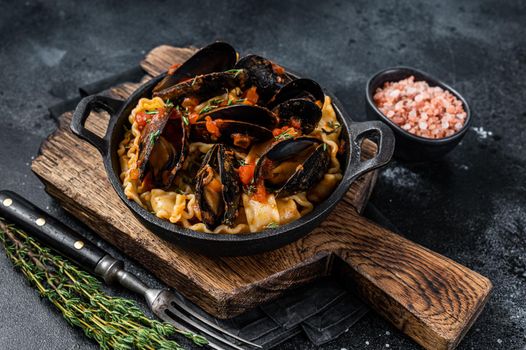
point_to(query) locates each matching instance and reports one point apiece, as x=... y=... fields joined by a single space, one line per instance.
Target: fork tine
x=198 y=326
x=175 y=302
x=179 y=325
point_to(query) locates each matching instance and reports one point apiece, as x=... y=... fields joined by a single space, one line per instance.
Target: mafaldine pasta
x=221 y=153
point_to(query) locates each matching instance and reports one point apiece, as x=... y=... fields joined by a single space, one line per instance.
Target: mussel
x=163 y=148
x=205 y=86
x=298 y=104
x=218 y=188
x=299 y=88
x=237 y=125
x=267 y=76
x=293 y=165
x=216 y=57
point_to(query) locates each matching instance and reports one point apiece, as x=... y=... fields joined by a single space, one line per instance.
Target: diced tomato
x=193 y=117
x=246 y=173
x=278 y=69
x=251 y=96
x=211 y=127
x=142 y=119
x=173 y=68
x=261 y=193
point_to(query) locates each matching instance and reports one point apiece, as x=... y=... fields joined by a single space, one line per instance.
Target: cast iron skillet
x=228 y=244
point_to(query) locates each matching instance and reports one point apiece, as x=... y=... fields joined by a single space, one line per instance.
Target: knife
x=163 y=303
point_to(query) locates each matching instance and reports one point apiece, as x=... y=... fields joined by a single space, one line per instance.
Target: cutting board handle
x=429 y=297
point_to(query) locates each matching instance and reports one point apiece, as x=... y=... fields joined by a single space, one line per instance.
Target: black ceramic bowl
x=228 y=244
x=409 y=146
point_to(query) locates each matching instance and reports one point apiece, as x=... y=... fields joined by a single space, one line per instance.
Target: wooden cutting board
x=429 y=297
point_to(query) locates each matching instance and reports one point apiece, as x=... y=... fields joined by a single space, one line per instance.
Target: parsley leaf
x=154 y=136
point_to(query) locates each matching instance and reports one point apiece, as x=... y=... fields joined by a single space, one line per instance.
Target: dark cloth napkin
x=322 y=310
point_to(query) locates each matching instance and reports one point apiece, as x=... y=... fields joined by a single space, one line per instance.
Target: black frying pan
x=229 y=244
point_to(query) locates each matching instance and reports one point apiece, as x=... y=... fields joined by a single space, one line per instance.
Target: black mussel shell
x=293 y=165
x=218 y=202
x=205 y=86
x=232 y=132
x=149 y=137
x=163 y=148
x=299 y=88
x=298 y=111
x=244 y=113
x=216 y=57
x=263 y=75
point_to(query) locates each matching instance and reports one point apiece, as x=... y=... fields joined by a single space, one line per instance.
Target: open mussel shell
x=216 y=57
x=149 y=137
x=293 y=165
x=263 y=75
x=298 y=112
x=232 y=132
x=218 y=188
x=163 y=148
x=205 y=86
x=244 y=113
x=299 y=88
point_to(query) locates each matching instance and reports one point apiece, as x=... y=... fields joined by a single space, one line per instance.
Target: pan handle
x=386 y=145
x=84 y=108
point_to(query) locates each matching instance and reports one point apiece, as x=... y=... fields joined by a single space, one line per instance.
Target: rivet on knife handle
x=48 y=230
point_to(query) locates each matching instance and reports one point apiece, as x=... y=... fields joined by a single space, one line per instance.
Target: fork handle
x=49 y=231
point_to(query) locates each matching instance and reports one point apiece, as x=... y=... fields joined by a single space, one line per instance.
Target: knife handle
x=49 y=231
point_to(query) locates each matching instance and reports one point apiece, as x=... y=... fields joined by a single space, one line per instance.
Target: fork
x=162 y=302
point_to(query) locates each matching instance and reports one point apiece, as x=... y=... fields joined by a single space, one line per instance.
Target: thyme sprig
x=113 y=322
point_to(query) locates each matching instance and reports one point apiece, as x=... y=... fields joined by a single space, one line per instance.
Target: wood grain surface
x=431 y=298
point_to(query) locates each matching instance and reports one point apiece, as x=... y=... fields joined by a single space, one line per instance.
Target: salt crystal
x=499 y=341
x=394 y=93
x=421 y=109
x=367 y=342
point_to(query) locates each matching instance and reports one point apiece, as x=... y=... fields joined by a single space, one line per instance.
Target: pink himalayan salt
x=422 y=110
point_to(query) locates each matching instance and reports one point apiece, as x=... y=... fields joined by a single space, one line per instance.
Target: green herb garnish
x=241 y=162
x=251 y=189
x=230 y=102
x=272 y=225
x=236 y=71
x=283 y=136
x=207 y=109
x=154 y=136
x=334 y=126
x=185 y=119
x=324 y=146
x=241 y=100
x=168 y=103
x=113 y=322
x=152 y=112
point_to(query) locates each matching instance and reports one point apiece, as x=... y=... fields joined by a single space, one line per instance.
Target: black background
x=470 y=206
